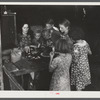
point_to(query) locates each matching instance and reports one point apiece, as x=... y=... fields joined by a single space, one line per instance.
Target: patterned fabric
x=60 y=67
x=80 y=71
x=25 y=40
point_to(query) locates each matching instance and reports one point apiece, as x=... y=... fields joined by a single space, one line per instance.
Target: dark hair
x=27 y=24
x=76 y=33
x=46 y=33
x=65 y=22
x=37 y=31
x=62 y=46
x=50 y=21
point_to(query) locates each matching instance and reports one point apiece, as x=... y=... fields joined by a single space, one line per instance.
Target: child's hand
x=51 y=54
x=53 y=49
x=27 y=49
x=38 y=45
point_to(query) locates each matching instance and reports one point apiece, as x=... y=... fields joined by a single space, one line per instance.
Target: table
x=25 y=66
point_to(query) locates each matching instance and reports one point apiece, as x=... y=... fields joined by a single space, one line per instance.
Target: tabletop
x=25 y=66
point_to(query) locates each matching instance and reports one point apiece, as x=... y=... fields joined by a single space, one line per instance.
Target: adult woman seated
x=24 y=38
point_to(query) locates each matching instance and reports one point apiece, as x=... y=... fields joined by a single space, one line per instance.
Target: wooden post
x=1 y=72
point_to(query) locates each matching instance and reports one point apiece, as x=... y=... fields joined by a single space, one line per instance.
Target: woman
x=60 y=67
x=65 y=30
x=64 y=26
x=24 y=39
x=80 y=71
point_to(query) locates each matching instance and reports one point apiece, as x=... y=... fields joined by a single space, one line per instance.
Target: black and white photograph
x=49 y=47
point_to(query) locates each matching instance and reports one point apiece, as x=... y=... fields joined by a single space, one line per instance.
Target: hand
x=51 y=54
x=38 y=45
x=53 y=49
x=27 y=49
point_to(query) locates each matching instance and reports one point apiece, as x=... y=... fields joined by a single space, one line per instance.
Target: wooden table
x=25 y=66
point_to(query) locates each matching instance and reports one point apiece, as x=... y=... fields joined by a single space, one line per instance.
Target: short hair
x=76 y=33
x=50 y=21
x=37 y=31
x=65 y=22
x=62 y=46
x=45 y=33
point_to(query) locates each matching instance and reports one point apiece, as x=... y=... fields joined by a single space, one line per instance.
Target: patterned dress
x=80 y=71
x=60 y=67
x=24 y=40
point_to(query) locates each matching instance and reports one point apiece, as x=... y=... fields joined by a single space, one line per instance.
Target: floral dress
x=24 y=40
x=80 y=71
x=60 y=67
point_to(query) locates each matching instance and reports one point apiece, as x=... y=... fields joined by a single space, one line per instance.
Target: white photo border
x=49 y=94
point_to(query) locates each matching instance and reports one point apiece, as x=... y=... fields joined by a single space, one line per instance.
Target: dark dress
x=60 y=67
x=37 y=42
x=80 y=71
x=22 y=42
x=55 y=35
x=69 y=41
x=66 y=36
x=51 y=35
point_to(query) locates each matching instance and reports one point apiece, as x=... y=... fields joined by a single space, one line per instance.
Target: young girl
x=60 y=67
x=37 y=40
x=80 y=71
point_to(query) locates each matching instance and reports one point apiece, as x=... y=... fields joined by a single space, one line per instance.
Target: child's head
x=46 y=33
x=49 y=24
x=62 y=46
x=37 y=34
x=76 y=33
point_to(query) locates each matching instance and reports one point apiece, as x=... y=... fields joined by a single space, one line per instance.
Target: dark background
x=39 y=14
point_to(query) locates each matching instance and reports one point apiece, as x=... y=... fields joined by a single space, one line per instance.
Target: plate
x=33 y=46
x=44 y=55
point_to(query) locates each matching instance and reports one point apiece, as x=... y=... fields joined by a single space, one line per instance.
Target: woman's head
x=62 y=46
x=76 y=33
x=25 y=28
x=49 y=24
x=64 y=25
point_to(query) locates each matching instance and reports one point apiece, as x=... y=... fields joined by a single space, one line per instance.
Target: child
x=60 y=67
x=37 y=40
x=80 y=71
